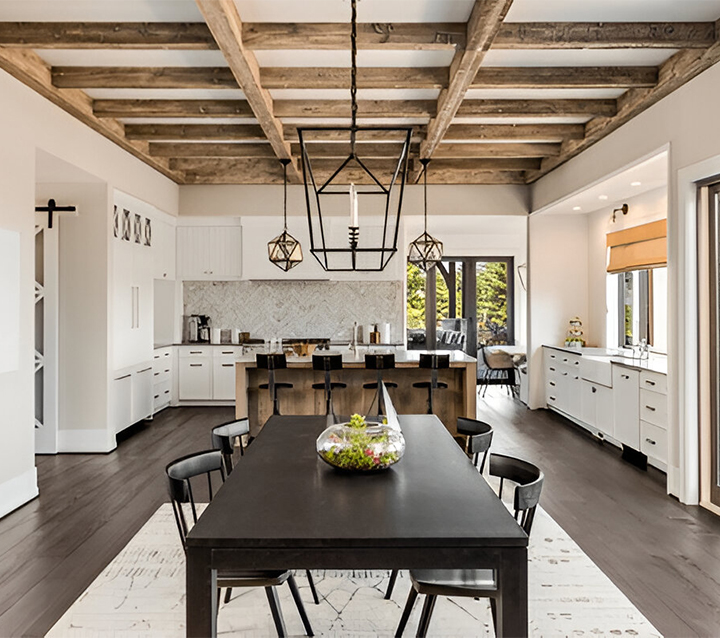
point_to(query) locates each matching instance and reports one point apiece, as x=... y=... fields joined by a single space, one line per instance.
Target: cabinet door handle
x=565 y=374
x=157 y=396
x=551 y=398
x=157 y=356
x=594 y=389
x=564 y=360
x=625 y=376
x=156 y=374
x=577 y=363
x=195 y=351
x=649 y=382
x=649 y=407
x=552 y=356
x=650 y=441
x=144 y=370
x=168 y=370
x=167 y=391
x=125 y=376
x=552 y=369
x=227 y=365
x=552 y=383
x=196 y=365
x=227 y=352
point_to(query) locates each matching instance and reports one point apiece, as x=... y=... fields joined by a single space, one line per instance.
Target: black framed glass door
x=714 y=270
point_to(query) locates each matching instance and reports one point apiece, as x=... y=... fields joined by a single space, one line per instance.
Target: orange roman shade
x=638 y=248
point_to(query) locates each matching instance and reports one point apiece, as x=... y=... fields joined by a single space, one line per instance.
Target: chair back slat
x=384 y=361
x=529 y=481
x=272 y=361
x=327 y=361
x=179 y=472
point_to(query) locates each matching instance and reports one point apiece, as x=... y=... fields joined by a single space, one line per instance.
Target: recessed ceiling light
x=577 y=207
x=635 y=183
x=603 y=197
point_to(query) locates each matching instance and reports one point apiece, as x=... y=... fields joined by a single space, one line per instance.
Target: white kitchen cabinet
x=563 y=384
x=162 y=378
x=223 y=379
x=209 y=252
x=195 y=378
x=597 y=407
x=163 y=249
x=626 y=408
x=121 y=401
x=142 y=393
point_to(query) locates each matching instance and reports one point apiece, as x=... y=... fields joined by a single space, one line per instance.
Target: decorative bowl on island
x=359 y=446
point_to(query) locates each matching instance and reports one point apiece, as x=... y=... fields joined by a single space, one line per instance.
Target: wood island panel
x=459 y=399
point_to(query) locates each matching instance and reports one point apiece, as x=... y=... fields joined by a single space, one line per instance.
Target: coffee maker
x=198 y=328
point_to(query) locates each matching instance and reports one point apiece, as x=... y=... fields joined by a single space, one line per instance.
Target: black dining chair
x=479 y=437
x=433 y=362
x=224 y=438
x=327 y=362
x=379 y=363
x=179 y=473
x=272 y=362
x=477 y=583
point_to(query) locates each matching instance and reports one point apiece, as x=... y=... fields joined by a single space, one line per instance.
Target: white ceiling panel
x=340 y=121
x=363 y=94
x=130 y=57
x=577 y=57
x=522 y=120
x=306 y=58
x=551 y=94
x=613 y=10
x=368 y=10
x=100 y=11
x=165 y=94
x=189 y=120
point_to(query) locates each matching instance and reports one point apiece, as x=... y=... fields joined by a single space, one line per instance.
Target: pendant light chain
x=425 y=192
x=285 y=165
x=353 y=75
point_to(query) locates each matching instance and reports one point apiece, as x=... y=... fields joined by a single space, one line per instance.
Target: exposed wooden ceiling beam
x=78 y=77
x=172 y=108
x=106 y=35
x=334 y=36
x=258 y=171
x=605 y=35
x=543 y=132
x=224 y=22
x=673 y=73
x=341 y=108
x=612 y=77
x=26 y=66
x=488 y=149
x=247 y=132
x=535 y=108
x=481 y=29
x=371 y=150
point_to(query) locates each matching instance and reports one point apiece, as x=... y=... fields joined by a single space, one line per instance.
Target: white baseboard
x=18 y=491
x=86 y=441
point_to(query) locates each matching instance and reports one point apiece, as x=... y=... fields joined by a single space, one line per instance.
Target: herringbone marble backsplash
x=297 y=309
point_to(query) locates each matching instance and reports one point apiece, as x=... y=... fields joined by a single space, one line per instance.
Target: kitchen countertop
x=401 y=356
x=655 y=363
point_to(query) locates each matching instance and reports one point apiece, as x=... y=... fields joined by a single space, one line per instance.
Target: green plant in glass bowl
x=361 y=446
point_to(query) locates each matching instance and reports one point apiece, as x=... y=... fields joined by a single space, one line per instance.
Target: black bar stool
x=272 y=362
x=432 y=362
x=379 y=362
x=327 y=362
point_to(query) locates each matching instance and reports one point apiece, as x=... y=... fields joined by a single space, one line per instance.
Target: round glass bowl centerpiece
x=361 y=446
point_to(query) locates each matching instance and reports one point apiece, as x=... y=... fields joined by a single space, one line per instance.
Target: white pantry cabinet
x=626 y=393
x=163 y=249
x=209 y=252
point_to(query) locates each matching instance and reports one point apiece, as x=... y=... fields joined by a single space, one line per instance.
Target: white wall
x=643 y=209
x=29 y=122
x=687 y=121
x=558 y=286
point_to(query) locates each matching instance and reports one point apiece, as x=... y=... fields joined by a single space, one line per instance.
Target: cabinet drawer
x=228 y=353
x=195 y=351
x=162 y=374
x=653 y=381
x=195 y=379
x=653 y=408
x=570 y=360
x=653 y=441
x=161 y=394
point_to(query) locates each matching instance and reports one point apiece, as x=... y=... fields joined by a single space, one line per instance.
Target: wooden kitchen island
x=458 y=399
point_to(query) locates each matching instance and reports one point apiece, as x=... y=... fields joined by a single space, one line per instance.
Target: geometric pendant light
x=285 y=251
x=425 y=251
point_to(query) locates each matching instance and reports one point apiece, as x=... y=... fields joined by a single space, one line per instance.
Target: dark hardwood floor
x=663 y=555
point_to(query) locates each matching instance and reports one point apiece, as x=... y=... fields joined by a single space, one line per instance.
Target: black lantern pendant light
x=425 y=251
x=285 y=251
x=339 y=243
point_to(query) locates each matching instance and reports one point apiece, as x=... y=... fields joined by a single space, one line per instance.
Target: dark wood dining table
x=284 y=508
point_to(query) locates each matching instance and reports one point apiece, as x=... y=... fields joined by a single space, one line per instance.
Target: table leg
x=201 y=590
x=512 y=603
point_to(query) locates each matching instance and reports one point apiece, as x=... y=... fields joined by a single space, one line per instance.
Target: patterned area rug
x=141 y=593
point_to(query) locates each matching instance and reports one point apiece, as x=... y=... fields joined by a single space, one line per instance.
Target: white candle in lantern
x=354 y=220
